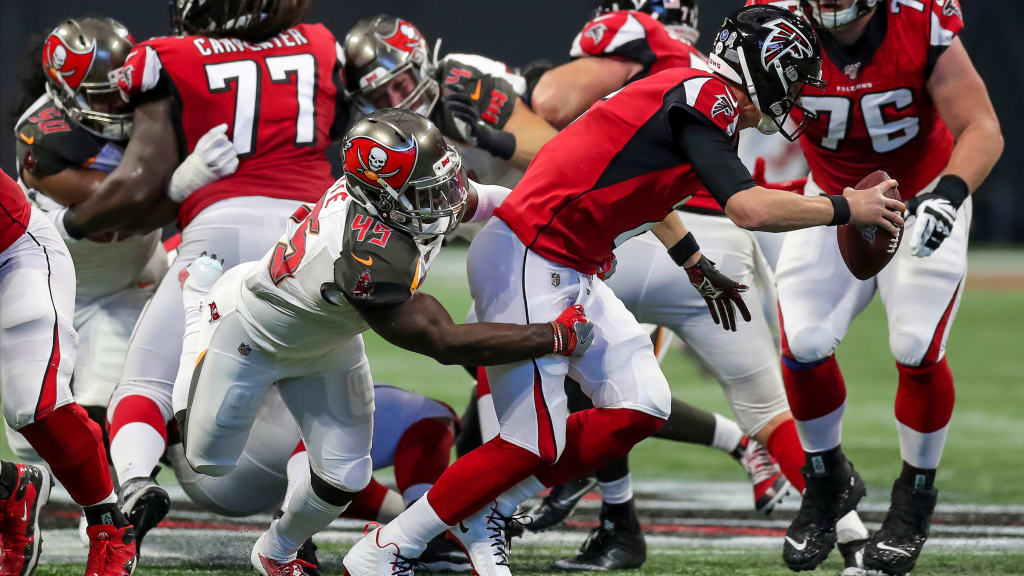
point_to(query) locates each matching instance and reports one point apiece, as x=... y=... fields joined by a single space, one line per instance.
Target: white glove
x=933 y=223
x=214 y=158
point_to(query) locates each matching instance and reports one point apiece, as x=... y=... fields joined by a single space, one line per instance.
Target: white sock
x=110 y=499
x=391 y=507
x=305 y=515
x=412 y=529
x=297 y=471
x=850 y=528
x=617 y=492
x=518 y=494
x=414 y=493
x=727 y=434
x=135 y=451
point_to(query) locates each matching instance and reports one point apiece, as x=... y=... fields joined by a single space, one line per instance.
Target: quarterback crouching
x=293 y=320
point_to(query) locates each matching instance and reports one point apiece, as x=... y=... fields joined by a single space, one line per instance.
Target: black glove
x=460 y=119
x=718 y=291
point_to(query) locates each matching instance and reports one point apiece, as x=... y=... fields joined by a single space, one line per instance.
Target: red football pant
x=817 y=398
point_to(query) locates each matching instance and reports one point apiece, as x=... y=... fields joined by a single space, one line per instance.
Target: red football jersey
x=14 y=211
x=278 y=97
x=876 y=114
x=636 y=36
x=616 y=171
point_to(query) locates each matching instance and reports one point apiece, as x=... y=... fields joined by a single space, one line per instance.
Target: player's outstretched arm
x=422 y=325
x=566 y=91
x=133 y=197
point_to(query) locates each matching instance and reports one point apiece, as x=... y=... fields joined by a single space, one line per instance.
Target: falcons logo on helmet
x=784 y=39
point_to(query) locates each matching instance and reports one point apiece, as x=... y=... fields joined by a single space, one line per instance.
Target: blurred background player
x=902 y=96
x=276 y=84
x=37 y=355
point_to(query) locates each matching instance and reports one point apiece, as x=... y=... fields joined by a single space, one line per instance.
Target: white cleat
x=269 y=567
x=372 y=557
x=483 y=539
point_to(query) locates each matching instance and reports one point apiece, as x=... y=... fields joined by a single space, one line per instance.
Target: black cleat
x=559 y=503
x=617 y=544
x=307 y=553
x=145 y=505
x=443 y=554
x=827 y=498
x=894 y=548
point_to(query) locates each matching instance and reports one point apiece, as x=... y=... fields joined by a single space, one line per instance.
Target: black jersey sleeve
x=47 y=142
x=713 y=156
x=377 y=265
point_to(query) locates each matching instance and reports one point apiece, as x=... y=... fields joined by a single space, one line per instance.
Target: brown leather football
x=868 y=249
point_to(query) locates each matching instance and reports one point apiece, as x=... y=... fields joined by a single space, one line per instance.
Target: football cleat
x=444 y=554
x=827 y=498
x=894 y=548
x=112 y=551
x=770 y=485
x=484 y=539
x=19 y=532
x=372 y=557
x=610 y=546
x=270 y=567
x=145 y=505
x=559 y=503
x=307 y=553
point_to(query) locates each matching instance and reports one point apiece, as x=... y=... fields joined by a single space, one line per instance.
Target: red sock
x=479 y=477
x=610 y=433
x=72 y=445
x=136 y=409
x=924 y=406
x=784 y=445
x=366 y=505
x=423 y=453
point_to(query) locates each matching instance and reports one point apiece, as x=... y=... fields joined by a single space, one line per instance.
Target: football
x=868 y=249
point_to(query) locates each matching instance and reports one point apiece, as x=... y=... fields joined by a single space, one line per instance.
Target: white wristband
x=488 y=198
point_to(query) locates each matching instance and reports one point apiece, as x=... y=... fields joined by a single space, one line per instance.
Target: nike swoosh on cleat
x=794 y=544
x=462 y=527
x=884 y=546
x=368 y=261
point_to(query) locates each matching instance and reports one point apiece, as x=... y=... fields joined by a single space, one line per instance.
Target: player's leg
x=37 y=280
x=921 y=297
x=334 y=411
x=818 y=297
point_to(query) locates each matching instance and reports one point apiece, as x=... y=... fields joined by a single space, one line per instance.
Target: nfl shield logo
x=851 y=70
x=555 y=279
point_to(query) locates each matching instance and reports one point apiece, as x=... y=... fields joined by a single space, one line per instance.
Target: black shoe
x=853 y=557
x=617 y=544
x=145 y=505
x=307 y=553
x=443 y=554
x=559 y=503
x=827 y=498
x=894 y=548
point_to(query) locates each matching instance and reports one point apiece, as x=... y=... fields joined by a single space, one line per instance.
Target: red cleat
x=770 y=485
x=21 y=539
x=111 y=551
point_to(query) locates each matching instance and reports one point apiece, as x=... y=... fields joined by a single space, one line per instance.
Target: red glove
x=787 y=185
x=572 y=332
x=718 y=291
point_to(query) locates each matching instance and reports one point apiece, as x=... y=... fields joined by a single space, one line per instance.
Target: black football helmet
x=679 y=16
x=773 y=53
x=80 y=58
x=399 y=168
x=826 y=15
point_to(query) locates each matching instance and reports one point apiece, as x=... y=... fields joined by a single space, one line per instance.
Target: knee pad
x=810 y=344
x=330 y=493
x=345 y=475
x=908 y=348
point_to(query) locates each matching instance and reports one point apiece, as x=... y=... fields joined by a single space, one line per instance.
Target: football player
x=292 y=321
x=37 y=354
x=70 y=136
x=903 y=96
x=673 y=133
x=276 y=84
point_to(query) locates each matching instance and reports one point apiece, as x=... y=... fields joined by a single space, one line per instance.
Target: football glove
x=935 y=214
x=460 y=119
x=214 y=158
x=572 y=332
x=719 y=292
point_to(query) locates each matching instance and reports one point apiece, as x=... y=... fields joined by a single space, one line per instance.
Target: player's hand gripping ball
x=868 y=249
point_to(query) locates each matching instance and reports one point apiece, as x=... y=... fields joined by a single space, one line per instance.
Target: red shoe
x=111 y=551
x=21 y=539
x=770 y=486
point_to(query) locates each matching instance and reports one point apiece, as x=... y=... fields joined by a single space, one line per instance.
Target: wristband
x=952 y=188
x=682 y=251
x=498 y=142
x=840 y=209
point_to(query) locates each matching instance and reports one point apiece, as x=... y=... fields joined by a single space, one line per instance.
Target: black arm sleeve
x=712 y=154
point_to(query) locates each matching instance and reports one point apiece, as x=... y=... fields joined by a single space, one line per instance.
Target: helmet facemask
x=776 y=102
x=421 y=99
x=832 y=18
x=428 y=207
